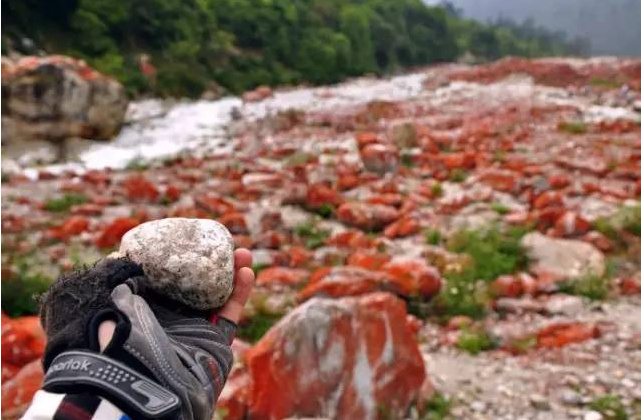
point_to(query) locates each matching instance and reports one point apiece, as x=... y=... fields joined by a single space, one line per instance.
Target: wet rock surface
x=472 y=197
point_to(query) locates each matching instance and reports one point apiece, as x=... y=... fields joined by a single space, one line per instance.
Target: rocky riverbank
x=462 y=242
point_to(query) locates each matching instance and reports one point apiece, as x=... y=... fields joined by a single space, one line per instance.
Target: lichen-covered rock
x=189 y=260
x=337 y=358
x=57 y=97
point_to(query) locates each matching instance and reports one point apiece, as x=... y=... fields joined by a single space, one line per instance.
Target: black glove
x=164 y=360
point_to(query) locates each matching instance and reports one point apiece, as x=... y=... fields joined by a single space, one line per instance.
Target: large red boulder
x=413 y=277
x=23 y=340
x=339 y=358
x=18 y=392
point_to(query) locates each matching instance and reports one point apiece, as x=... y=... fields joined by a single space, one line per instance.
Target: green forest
x=236 y=45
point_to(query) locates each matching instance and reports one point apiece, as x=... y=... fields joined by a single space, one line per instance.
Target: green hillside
x=239 y=44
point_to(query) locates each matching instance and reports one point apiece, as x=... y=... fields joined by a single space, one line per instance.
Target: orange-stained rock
x=173 y=192
x=9 y=371
x=281 y=276
x=23 y=340
x=413 y=277
x=548 y=199
x=258 y=94
x=631 y=285
x=389 y=199
x=571 y=224
x=366 y=138
x=500 y=180
x=367 y=260
x=235 y=223
x=367 y=216
x=350 y=239
x=18 y=392
x=111 y=234
x=243 y=241
x=214 y=205
x=271 y=239
x=459 y=322
x=380 y=158
x=339 y=358
x=458 y=160
x=319 y=195
x=559 y=181
x=563 y=333
x=73 y=226
x=89 y=209
x=342 y=281
x=234 y=399
x=507 y=286
x=405 y=226
x=139 y=188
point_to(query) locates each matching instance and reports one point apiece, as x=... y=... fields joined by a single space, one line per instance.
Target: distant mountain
x=613 y=27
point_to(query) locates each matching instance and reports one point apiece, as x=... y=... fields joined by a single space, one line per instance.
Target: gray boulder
x=563 y=258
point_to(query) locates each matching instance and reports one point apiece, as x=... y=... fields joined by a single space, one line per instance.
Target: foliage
x=311 y=234
x=573 y=127
x=436 y=408
x=500 y=208
x=475 y=341
x=590 y=286
x=64 y=202
x=255 y=327
x=433 y=236
x=610 y=406
x=494 y=252
x=240 y=44
x=458 y=175
x=20 y=292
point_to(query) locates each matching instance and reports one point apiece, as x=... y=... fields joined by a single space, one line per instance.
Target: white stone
x=189 y=260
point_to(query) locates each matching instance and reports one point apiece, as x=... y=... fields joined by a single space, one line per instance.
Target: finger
x=106 y=331
x=242 y=258
x=244 y=282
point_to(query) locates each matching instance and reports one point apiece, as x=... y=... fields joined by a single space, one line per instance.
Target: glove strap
x=82 y=371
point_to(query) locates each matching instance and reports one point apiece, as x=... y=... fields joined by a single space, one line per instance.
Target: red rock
x=319 y=195
x=234 y=398
x=243 y=241
x=235 y=222
x=390 y=199
x=458 y=160
x=271 y=220
x=260 y=182
x=172 y=192
x=295 y=256
x=23 y=340
x=500 y=180
x=96 y=178
x=18 y=392
x=413 y=324
x=631 y=285
x=73 y=226
x=365 y=139
x=548 y=199
x=139 y=188
x=559 y=181
x=507 y=286
x=340 y=358
x=111 y=234
x=571 y=224
x=405 y=226
x=413 y=277
x=258 y=94
x=563 y=333
x=281 y=276
x=214 y=205
x=367 y=260
x=9 y=371
x=271 y=239
x=350 y=239
x=380 y=158
x=367 y=216
x=88 y=209
x=342 y=281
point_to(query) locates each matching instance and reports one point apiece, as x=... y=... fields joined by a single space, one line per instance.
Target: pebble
x=540 y=402
x=592 y=415
x=570 y=397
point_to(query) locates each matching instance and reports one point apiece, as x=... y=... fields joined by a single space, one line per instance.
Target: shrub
x=590 y=286
x=573 y=127
x=65 y=202
x=312 y=236
x=20 y=293
x=500 y=208
x=493 y=252
x=610 y=406
x=433 y=236
x=255 y=327
x=457 y=175
x=437 y=189
x=436 y=408
x=475 y=341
